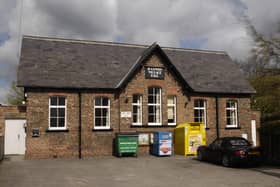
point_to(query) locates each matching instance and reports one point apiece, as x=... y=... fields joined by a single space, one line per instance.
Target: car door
x=215 y=150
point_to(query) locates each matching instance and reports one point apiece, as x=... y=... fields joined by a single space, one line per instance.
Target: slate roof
x=64 y=63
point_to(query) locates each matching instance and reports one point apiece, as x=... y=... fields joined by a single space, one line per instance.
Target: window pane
x=231 y=104
x=98 y=101
x=199 y=103
x=150 y=90
x=61 y=112
x=170 y=114
x=61 y=101
x=98 y=112
x=158 y=114
x=61 y=122
x=54 y=101
x=170 y=100
x=136 y=114
x=134 y=118
x=97 y=121
x=158 y=98
x=151 y=109
x=135 y=110
x=228 y=104
x=105 y=101
x=151 y=118
x=104 y=112
x=104 y=121
x=228 y=113
x=150 y=99
x=53 y=112
x=135 y=99
x=53 y=122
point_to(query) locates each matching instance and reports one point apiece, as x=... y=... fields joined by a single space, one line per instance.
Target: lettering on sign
x=154 y=73
x=125 y=114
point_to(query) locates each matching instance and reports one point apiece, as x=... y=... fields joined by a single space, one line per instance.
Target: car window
x=216 y=144
x=238 y=142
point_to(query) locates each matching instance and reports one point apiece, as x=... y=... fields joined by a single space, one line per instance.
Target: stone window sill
x=233 y=128
x=102 y=130
x=57 y=130
x=152 y=126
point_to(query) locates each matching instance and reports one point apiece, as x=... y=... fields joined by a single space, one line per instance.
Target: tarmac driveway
x=132 y=172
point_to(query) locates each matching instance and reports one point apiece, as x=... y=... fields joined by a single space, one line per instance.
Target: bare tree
x=15 y=95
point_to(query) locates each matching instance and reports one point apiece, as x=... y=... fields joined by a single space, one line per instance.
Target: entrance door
x=14 y=137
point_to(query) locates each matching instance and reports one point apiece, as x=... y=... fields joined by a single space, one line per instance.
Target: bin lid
x=189 y=124
x=126 y=134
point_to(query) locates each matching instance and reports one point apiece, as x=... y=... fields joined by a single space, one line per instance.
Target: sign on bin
x=165 y=147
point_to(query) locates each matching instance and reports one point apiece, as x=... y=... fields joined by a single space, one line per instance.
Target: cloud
x=171 y=22
x=265 y=16
x=78 y=19
x=213 y=25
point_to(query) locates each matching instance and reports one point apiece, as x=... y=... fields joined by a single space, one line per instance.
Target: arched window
x=154 y=106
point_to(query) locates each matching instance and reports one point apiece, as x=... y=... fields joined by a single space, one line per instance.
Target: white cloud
x=169 y=22
x=265 y=15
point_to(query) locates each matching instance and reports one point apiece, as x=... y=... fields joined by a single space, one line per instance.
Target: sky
x=198 y=24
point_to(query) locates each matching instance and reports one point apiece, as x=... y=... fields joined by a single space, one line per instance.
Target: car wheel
x=199 y=155
x=226 y=161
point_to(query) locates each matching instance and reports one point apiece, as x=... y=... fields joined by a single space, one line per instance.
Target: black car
x=230 y=151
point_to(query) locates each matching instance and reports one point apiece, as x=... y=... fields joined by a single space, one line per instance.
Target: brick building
x=80 y=93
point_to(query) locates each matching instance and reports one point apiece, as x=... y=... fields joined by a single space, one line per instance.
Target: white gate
x=14 y=137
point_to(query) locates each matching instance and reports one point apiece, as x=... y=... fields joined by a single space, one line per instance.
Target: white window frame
x=155 y=105
x=173 y=106
x=57 y=106
x=235 y=114
x=201 y=108
x=109 y=114
x=138 y=104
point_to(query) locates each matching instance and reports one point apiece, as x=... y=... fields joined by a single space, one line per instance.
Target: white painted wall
x=14 y=137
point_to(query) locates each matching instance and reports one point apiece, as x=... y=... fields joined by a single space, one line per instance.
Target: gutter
x=217 y=116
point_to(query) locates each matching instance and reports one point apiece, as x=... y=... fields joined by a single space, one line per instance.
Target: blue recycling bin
x=162 y=143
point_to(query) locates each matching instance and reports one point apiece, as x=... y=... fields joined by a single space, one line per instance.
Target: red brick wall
x=65 y=144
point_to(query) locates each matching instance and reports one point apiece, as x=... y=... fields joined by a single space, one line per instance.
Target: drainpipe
x=80 y=126
x=217 y=116
x=119 y=108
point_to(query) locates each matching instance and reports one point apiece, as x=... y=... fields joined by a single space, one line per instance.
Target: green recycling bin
x=126 y=143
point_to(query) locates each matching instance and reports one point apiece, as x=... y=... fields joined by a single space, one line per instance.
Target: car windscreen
x=238 y=142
